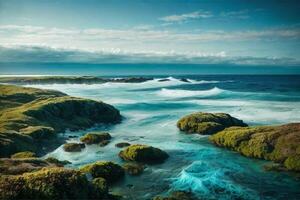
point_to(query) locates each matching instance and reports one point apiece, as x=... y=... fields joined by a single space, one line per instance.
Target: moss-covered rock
x=95 y=137
x=73 y=147
x=57 y=162
x=207 y=123
x=177 y=195
x=144 y=154
x=101 y=185
x=122 y=144
x=277 y=143
x=134 y=168
x=24 y=154
x=30 y=117
x=110 y=171
x=47 y=183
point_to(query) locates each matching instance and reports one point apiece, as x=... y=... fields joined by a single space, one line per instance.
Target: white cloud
x=47 y=54
x=186 y=17
x=241 y=14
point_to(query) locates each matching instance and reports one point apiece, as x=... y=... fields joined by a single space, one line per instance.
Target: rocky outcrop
x=73 y=147
x=51 y=183
x=30 y=118
x=110 y=171
x=95 y=138
x=144 y=154
x=280 y=144
x=71 y=80
x=207 y=123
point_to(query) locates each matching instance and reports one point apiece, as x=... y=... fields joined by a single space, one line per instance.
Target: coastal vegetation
x=30 y=118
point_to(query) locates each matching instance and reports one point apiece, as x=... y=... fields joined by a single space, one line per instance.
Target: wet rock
x=73 y=147
x=207 y=123
x=24 y=154
x=95 y=137
x=177 y=195
x=144 y=154
x=134 y=168
x=122 y=144
x=110 y=171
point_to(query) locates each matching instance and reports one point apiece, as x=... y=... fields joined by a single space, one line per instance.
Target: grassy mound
x=277 y=143
x=31 y=117
x=143 y=153
x=110 y=171
x=207 y=123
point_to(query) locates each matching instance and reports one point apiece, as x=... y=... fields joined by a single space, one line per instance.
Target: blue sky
x=208 y=31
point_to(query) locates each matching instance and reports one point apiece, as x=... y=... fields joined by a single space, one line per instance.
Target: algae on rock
x=207 y=123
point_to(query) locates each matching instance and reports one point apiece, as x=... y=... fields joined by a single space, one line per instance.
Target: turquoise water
x=151 y=110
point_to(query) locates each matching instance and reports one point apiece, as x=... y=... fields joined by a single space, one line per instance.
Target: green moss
x=134 y=168
x=48 y=183
x=73 y=147
x=101 y=185
x=30 y=117
x=95 y=137
x=24 y=154
x=110 y=171
x=293 y=163
x=207 y=123
x=276 y=143
x=143 y=153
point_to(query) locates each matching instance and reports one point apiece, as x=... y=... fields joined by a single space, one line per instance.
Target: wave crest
x=176 y=93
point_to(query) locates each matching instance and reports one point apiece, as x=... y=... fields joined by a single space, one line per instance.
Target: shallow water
x=151 y=110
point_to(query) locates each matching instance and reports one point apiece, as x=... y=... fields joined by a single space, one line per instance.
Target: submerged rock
x=207 y=123
x=73 y=147
x=95 y=137
x=30 y=117
x=110 y=171
x=24 y=154
x=57 y=162
x=143 y=153
x=177 y=195
x=277 y=143
x=122 y=144
x=134 y=168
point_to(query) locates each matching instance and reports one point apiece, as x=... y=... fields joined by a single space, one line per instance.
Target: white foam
x=189 y=93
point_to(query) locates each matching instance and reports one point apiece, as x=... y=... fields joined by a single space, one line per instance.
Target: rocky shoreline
x=70 y=80
x=280 y=144
x=30 y=120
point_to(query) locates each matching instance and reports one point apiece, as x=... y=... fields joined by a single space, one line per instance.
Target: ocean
x=150 y=111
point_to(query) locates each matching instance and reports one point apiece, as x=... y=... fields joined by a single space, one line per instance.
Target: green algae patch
x=95 y=137
x=144 y=154
x=276 y=143
x=207 y=123
x=24 y=154
x=110 y=171
x=30 y=118
x=57 y=162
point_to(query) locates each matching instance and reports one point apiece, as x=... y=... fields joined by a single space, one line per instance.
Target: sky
x=244 y=32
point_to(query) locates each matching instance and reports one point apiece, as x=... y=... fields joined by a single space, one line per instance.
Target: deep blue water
x=151 y=110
